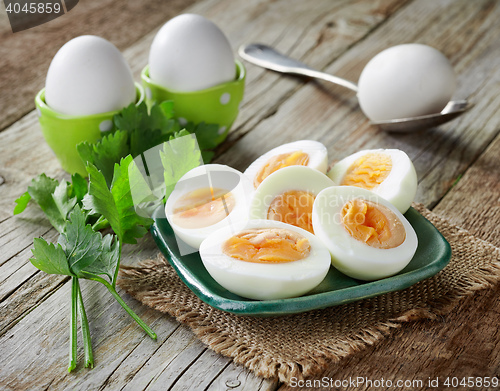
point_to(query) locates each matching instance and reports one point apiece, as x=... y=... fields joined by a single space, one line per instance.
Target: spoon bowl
x=266 y=57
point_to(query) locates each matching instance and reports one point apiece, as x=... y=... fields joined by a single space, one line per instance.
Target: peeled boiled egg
x=288 y=194
x=265 y=260
x=205 y=199
x=387 y=172
x=405 y=81
x=368 y=238
x=190 y=53
x=298 y=153
x=89 y=75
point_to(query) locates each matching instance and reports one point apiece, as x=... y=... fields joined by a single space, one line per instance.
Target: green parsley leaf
x=63 y=203
x=116 y=204
x=105 y=153
x=22 y=203
x=80 y=243
x=49 y=258
x=131 y=117
x=107 y=261
x=78 y=188
x=207 y=135
x=179 y=155
x=42 y=191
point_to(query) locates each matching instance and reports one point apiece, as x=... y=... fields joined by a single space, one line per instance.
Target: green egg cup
x=215 y=105
x=64 y=132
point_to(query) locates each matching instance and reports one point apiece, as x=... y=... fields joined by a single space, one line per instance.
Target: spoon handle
x=267 y=57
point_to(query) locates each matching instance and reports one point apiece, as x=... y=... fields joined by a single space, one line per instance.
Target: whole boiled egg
x=405 y=81
x=89 y=75
x=287 y=195
x=387 y=172
x=308 y=153
x=368 y=238
x=265 y=260
x=205 y=199
x=190 y=53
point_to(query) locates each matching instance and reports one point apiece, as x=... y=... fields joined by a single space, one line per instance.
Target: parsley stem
x=73 y=326
x=115 y=277
x=139 y=321
x=87 y=342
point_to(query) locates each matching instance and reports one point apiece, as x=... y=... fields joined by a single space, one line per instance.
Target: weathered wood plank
x=241 y=379
x=181 y=341
x=208 y=366
x=44 y=358
x=23 y=71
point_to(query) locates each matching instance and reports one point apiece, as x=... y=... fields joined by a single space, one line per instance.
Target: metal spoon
x=269 y=58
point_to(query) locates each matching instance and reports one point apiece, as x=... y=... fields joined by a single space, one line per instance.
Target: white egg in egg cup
x=63 y=132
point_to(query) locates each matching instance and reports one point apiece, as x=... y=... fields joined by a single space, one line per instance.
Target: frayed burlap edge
x=208 y=324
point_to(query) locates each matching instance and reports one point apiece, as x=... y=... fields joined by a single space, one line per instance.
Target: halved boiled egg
x=288 y=194
x=265 y=260
x=205 y=199
x=367 y=236
x=386 y=172
x=298 y=153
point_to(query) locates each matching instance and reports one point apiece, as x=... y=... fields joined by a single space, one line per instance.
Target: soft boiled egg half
x=288 y=194
x=307 y=153
x=205 y=199
x=386 y=172
x=368 y=238
x=265 y=260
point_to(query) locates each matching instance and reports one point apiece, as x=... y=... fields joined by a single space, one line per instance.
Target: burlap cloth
x=303 y=345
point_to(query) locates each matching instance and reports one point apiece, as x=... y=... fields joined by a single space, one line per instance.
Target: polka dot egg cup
x=64 y=132
x=215 y=105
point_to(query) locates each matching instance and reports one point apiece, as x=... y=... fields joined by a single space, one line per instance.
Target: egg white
x=264 y=281
x=349 y=255
x=300 y=178
x=318 y=156
x=400 y=186
x=217 y=176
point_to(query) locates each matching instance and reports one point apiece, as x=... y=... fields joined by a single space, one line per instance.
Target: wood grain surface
x=457 y=165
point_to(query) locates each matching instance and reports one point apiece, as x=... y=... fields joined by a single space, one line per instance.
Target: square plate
x=433 y=254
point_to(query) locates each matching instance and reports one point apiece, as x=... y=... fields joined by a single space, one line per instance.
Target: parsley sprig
x=79 y=209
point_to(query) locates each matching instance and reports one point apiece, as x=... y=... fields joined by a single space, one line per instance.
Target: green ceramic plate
x=433 y=254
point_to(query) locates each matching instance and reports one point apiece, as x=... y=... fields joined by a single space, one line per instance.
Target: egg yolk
x=368 y=171
x=202 y=207
x=267 y=245
x=297 y=158
x=373 y=224
x=293 y=207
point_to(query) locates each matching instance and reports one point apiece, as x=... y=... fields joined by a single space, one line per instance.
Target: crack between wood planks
x=36 y=305
x=106 y=381
x=184 y=370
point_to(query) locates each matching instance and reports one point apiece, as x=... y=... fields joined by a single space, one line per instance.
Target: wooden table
x=457 y=165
